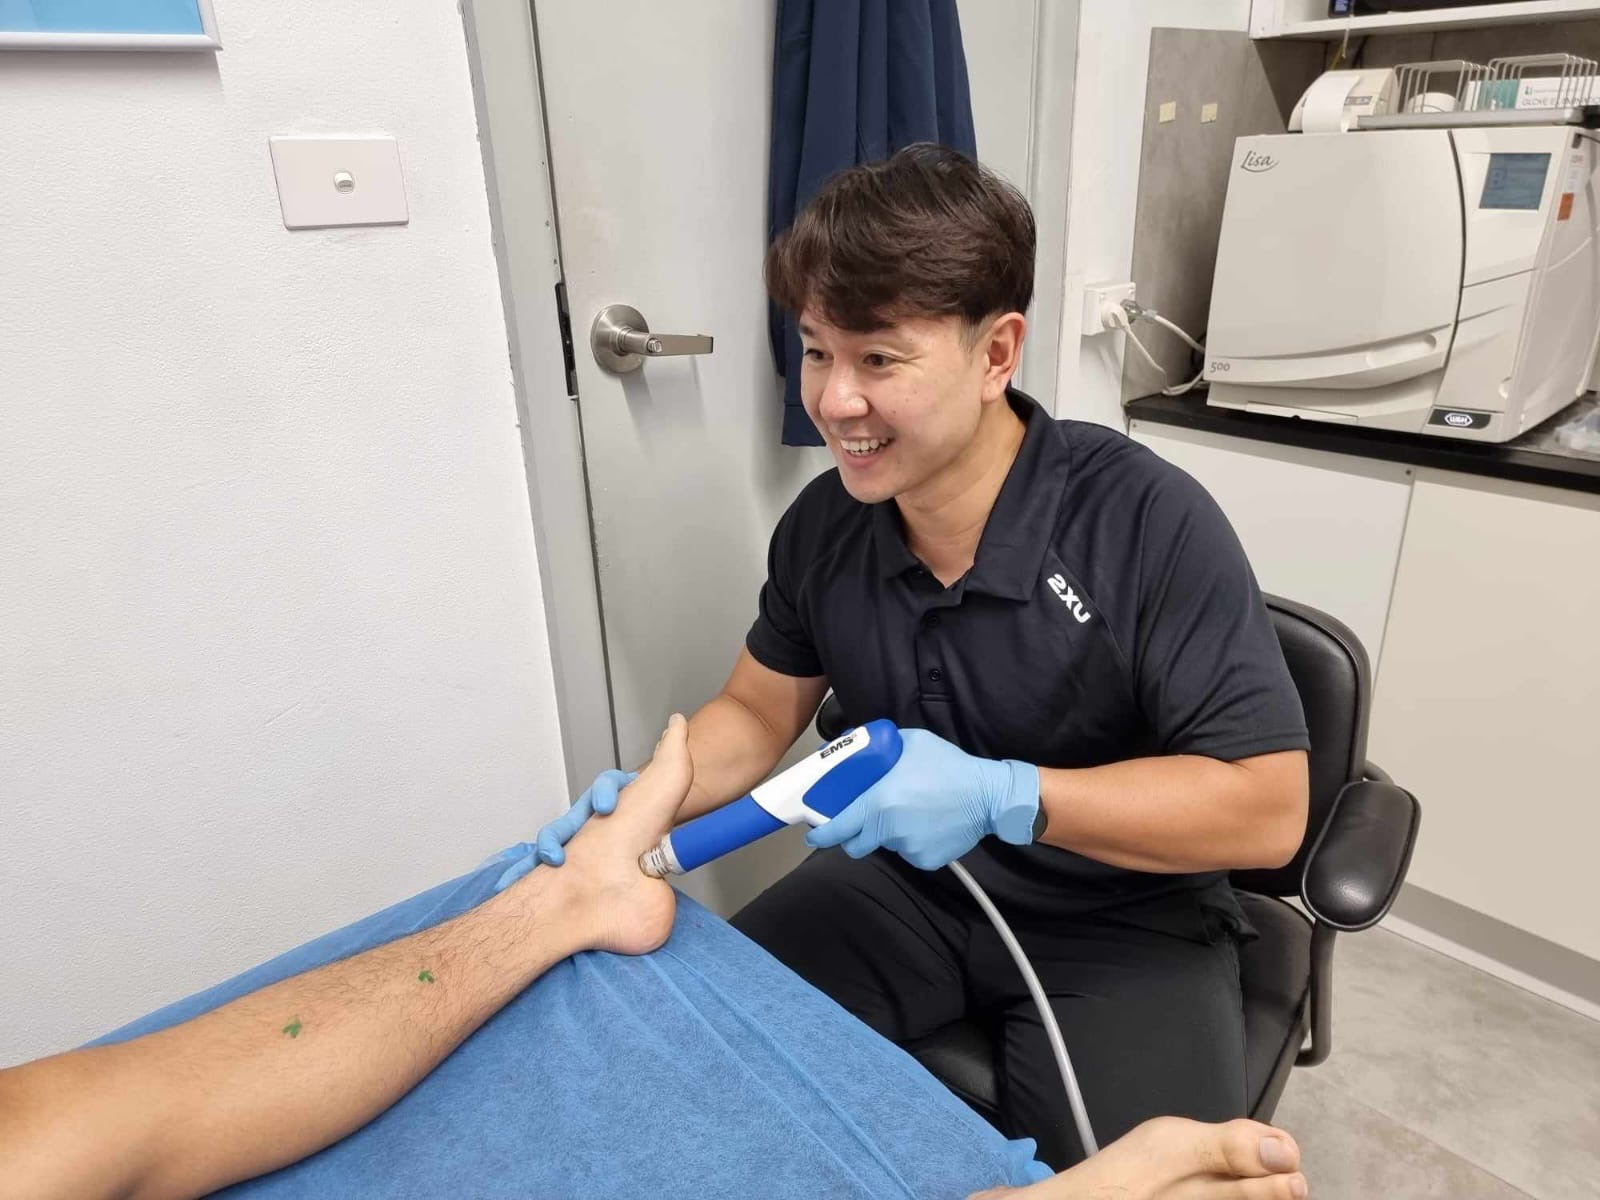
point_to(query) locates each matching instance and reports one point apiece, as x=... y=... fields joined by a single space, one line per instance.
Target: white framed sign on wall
x=108 y=25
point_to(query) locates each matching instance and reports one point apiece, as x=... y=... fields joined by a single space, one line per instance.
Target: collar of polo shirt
x=1017 y=533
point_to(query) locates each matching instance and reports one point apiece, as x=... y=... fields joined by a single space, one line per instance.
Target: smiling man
x=1099 y=720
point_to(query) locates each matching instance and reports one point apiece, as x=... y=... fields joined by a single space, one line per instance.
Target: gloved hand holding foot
x=548 y=847
x=936 y=804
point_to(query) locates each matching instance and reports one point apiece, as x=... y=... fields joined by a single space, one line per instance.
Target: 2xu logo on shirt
x=1067 y=596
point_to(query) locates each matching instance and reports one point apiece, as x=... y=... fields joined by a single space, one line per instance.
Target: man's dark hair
x=925 y=233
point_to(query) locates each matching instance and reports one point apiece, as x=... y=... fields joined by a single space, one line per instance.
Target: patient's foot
x=1173 y=1159
x=620 y=908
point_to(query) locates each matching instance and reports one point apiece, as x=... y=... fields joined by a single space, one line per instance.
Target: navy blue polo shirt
x=1110 y=614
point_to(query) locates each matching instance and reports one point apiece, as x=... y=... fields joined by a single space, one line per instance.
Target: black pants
x=1153 y=1019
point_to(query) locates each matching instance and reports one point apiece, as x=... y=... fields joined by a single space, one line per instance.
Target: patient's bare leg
x=1173 y=1159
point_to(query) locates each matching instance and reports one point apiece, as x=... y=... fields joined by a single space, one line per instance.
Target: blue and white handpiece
x=814 y=790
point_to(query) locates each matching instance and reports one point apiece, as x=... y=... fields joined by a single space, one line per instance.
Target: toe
x=670 y=767
x=1248 y=1149
x=653 y=799
x=674 y=743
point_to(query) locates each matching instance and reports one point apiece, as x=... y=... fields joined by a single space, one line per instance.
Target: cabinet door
x=1488 y=701
x=1323 y=529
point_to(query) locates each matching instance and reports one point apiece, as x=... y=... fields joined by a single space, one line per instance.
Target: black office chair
x=1347 y=873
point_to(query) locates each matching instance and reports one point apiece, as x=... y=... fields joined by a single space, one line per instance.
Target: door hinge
x=567 y=358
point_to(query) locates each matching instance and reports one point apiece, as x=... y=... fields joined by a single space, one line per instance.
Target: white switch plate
x=308 y=169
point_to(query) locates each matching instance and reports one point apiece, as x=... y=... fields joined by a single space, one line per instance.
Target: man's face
x=897 y=406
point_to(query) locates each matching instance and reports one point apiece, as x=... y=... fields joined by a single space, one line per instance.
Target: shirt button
x=935 y=675
x=931 y=621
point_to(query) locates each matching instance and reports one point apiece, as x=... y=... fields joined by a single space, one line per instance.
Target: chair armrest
x=1356 y=866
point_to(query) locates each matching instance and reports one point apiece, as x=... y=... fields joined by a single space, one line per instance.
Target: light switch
x=325 y=181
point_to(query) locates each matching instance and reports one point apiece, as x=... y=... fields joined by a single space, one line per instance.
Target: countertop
x=1534 y=457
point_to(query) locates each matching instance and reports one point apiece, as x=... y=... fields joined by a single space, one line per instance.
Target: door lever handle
x=660 y=345
x=621 y=340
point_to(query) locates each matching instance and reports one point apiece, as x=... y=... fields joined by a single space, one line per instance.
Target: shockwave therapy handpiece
x=814 y=790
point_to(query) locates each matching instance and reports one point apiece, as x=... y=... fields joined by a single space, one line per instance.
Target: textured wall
x=271 y=645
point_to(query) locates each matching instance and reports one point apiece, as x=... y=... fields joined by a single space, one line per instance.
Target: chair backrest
x=1330 y=670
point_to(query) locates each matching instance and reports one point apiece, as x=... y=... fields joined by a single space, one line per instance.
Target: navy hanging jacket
x=854 y=81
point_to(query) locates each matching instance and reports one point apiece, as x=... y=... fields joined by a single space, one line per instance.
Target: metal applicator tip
x=658 y=862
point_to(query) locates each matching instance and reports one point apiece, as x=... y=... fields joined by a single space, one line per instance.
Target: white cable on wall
x=1122 y=317
x=1152 y=315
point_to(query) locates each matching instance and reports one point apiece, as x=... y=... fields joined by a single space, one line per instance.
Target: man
x=284 y=1070
x=1099 y=720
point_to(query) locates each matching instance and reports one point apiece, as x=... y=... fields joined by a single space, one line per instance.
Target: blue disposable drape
x=704 y=1071
x=854 y=81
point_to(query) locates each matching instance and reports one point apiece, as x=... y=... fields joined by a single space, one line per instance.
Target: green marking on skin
x=293 y=1028
x=426 y=976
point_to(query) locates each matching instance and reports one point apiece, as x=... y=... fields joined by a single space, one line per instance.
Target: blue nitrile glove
x=599 y=799
x=935 y=805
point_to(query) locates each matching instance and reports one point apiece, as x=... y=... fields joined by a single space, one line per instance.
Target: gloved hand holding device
x=936 y=804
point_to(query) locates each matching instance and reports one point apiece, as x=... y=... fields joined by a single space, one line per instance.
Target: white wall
x=271 y=641
x=997 y=37
x=1021 y=58
x=1108 y=122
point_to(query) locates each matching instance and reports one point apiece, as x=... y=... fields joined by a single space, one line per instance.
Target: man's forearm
x=733 y=750
x=1179 y=813
x=278 y=1074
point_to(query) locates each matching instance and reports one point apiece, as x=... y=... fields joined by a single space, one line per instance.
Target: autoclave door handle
x=621 y=340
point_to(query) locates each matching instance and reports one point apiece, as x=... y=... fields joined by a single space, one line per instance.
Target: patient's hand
x=617 y=906
x=1173 y=1159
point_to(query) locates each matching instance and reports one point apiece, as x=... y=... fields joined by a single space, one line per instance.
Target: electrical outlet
x=1096 y=297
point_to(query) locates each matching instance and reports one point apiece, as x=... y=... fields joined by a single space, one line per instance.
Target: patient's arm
x=278 y=1074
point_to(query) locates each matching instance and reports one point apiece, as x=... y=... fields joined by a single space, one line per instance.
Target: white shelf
x=1277 y=18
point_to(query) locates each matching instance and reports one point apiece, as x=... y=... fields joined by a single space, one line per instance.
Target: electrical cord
x=1151 y=314
x=1122 y=323
x=1052 y=1030
x=1123 y=316
x=1344 y=56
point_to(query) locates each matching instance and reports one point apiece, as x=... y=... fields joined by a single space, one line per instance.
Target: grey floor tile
x=1502 y=1078
x=1351 y=1152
